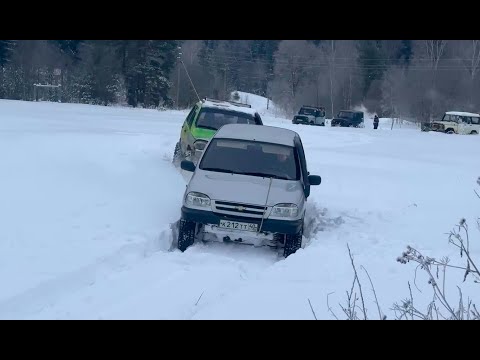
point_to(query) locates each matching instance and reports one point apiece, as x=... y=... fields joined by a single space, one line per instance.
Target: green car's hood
x=204 y=134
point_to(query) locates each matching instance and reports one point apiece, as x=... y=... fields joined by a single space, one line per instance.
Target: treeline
x=133 y=72
x=416 y=79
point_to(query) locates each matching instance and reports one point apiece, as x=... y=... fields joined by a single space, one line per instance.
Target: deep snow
x=89 y=197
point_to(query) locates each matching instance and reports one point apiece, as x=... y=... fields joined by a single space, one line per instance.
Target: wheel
x=186 y=234
x=312 y=123
x=450 y=131
x=293 y=242
x=474 y=132
x=177 y=154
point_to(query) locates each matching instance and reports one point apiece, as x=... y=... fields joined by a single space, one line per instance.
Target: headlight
x=285 y=210
x=199 y=145
x=197 y=199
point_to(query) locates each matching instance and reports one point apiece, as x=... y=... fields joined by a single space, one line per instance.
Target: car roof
x=313 y=107
x=262 y=133
x=461 y=113
x=352 y=111
x=225 y=105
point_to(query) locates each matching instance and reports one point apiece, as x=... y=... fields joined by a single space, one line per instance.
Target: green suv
x=203 y=121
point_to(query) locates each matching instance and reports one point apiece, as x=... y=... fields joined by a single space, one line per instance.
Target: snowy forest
x=414 y=79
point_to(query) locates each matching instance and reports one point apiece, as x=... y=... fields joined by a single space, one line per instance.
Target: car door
x=464 y=125
x=186 y=128
x=475 y=125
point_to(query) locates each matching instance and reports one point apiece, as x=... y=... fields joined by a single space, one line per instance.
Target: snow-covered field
x=89 y=197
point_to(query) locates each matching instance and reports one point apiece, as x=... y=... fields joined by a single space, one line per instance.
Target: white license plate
x=235 y=225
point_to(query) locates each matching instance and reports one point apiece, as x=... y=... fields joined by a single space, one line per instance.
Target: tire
x=474 y=132
x=177 y=154
x=186 y=234
x=293 y=242
x=450 y=131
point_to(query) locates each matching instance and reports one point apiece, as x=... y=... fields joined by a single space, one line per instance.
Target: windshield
x=307 y=111
x=345 y=115
x=251 y=158
x=214 y=119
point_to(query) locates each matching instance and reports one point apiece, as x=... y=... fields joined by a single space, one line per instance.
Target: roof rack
x=240 y=104
x=227 y=101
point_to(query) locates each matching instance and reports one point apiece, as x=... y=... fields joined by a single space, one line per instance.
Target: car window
x=475 y=120
x=307 y=111
x=214 y=119
x=345 y=115
x=191 y=115
x=251 y=158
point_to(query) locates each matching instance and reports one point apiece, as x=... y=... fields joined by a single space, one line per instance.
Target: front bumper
x=206 y=217
x=301 y=120
x=437 y=127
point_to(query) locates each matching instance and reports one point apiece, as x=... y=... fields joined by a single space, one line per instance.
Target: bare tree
x=329 y=49
x=434 y=50
x=468 y=54
x=293 y=65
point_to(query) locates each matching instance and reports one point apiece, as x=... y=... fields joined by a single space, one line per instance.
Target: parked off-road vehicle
x=348 y=118
x=250 y=186
x=457 y=122
x=310 y=115
x=203 y=121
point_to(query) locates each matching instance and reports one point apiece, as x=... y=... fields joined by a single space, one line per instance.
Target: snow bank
x=259 y=103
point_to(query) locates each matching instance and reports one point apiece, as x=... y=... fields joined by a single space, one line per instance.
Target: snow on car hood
x=245 y=189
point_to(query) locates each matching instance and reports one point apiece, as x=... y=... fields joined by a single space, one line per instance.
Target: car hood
x=245 y=189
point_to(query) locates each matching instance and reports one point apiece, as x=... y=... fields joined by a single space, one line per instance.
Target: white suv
x=250 y=186
x=456 y=122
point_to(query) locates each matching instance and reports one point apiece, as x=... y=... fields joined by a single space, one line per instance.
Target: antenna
x=179 y=57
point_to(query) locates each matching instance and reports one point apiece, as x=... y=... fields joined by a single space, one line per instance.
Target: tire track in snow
x=47 y=293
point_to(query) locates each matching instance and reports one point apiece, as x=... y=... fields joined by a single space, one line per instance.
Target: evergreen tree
x=371 y=60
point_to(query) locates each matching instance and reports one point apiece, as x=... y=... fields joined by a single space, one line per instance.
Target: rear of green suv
x=204 y=120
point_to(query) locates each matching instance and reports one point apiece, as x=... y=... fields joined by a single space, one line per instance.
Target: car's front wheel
x=293 y=242
x=186 y=234
x=177 y=154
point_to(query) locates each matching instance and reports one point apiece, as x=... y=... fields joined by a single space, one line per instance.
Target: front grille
x=238 y=208
x=301 y=118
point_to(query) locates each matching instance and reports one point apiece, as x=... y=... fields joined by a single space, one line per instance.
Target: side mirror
x=187 y=165
x=314 y=180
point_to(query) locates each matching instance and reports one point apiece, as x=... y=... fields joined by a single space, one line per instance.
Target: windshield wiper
x=263 y=175
x=217 y=170
x=207 y=127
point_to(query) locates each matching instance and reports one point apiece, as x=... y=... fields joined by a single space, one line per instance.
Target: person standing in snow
x=375 y=122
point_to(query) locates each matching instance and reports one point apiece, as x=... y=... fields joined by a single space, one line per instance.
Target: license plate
x=235 y=225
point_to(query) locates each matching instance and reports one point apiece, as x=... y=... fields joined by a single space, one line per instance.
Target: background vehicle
x=206 y=117
x=250 y=186
x=457 y=122
x=348 y=118
x=310 y=115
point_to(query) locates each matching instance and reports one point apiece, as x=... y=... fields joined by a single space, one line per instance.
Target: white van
x=250 y=186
